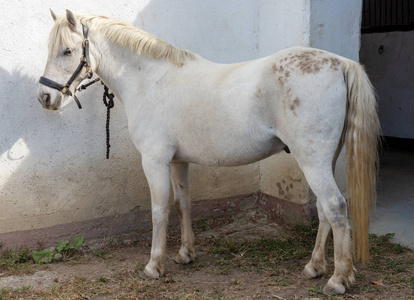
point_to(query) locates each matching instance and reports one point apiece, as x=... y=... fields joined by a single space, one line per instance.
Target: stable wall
x=54 y=178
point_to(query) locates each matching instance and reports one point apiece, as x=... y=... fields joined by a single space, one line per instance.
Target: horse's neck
x=122 y=69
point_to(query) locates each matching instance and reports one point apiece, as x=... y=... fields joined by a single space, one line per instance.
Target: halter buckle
x=89 y=71
x=65 y=89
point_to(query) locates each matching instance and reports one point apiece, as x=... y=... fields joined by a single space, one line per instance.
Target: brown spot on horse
x=258 y=93
x=295 y=103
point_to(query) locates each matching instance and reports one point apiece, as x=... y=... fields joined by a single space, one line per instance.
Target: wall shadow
x=48 y=178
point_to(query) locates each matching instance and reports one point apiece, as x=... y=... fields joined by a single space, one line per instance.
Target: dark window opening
x=387 y=15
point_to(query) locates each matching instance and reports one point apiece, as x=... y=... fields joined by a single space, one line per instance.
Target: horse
x=182 y=108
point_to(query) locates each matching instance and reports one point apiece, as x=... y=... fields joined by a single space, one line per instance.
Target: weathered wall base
x=106 y=227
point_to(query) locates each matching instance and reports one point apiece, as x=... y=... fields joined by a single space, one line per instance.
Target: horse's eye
x=67 y=52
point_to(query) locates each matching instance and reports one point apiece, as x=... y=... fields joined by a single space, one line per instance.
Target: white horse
x=184 y=109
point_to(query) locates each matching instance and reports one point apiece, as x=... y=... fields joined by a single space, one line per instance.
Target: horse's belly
x=225 y=151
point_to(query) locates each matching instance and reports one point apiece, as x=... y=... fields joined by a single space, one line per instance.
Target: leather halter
x=84 y=62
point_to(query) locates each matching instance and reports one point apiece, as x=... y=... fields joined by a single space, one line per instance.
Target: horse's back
x=240 y=113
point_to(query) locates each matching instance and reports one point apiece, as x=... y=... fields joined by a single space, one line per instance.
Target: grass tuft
x=264 y=253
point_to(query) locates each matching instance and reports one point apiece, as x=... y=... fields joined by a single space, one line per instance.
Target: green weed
x=317 y=291
x=64 y=250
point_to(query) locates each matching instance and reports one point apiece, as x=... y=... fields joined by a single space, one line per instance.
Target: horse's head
x=68 y=61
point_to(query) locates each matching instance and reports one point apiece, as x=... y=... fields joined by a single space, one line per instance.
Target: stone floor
x=395 y=204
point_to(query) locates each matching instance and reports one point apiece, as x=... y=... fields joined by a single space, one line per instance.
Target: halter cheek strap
x=85 y=62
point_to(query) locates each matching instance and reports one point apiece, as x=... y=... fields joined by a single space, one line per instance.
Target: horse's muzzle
x=46 y=100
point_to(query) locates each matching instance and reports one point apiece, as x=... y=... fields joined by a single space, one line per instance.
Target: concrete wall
x=336 y=26
x=392 y=72
x=53 y=169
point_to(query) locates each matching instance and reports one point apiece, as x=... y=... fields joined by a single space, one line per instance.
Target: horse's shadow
x=17 y=95
x=24 y=119
x=34 y=147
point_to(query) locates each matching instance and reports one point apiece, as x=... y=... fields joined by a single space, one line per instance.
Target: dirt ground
x=227 y=267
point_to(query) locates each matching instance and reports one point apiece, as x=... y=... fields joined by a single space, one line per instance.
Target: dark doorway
x=387 y=49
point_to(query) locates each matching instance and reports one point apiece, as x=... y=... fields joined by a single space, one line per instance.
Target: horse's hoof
x=148 y=274
x=144 y=276
x=311 y=272
x=184 y=258
x=334 y=289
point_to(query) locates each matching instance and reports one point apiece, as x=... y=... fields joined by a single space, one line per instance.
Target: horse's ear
x=54 y=17
x=73 y=21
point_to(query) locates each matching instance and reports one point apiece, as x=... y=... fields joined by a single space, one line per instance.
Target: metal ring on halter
x=65 y=89
x=89 y=71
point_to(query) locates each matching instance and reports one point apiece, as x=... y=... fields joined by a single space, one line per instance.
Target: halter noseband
x=84 y=62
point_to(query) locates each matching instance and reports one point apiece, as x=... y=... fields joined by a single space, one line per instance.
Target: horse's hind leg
x=317 y=265
x=179 y=180
x=334 y=208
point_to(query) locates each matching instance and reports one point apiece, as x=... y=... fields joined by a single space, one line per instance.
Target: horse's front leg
x=179 y=180
x=157 y=173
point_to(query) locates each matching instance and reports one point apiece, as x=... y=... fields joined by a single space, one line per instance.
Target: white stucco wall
x=336 y=26
x=52 y=164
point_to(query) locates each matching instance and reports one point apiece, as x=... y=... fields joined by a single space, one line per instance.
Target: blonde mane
x=123 y=34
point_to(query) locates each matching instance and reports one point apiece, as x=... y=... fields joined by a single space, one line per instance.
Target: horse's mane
x=123 y=34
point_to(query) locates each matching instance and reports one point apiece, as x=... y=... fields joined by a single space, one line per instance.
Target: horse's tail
x=361 y=138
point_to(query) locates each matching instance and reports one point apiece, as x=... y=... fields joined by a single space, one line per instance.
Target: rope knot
x=108 y=103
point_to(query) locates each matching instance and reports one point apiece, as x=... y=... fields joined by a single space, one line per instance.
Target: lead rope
x=109 y=104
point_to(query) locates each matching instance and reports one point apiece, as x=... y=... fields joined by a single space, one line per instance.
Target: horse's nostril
x=46 y=99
